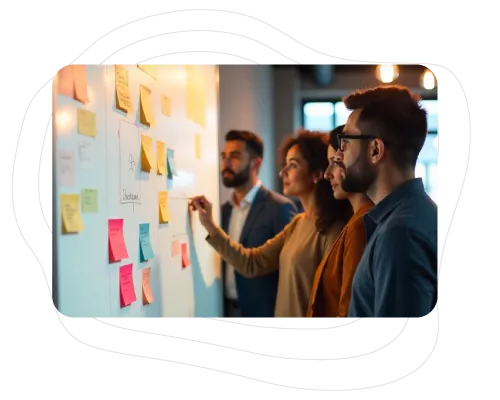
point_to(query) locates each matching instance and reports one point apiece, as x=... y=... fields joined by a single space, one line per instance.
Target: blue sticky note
x=146 y=250
x=171 y=163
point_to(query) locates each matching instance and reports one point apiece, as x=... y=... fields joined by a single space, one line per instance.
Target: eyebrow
x=231 y=152
x=294 y=159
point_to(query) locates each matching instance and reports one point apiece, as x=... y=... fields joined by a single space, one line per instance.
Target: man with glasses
x=381 y=141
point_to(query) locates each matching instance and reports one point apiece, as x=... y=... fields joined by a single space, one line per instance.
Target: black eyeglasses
x=341 y=136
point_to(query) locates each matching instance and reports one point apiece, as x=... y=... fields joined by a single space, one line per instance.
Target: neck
x=357 y=200
x=386 y=183
x=241 y=191
x=309 y=204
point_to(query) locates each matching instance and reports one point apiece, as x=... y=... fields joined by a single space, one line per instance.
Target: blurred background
x=274 y=101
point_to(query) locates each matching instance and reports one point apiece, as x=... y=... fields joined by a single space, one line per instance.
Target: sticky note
x=166 y=107
x=65 y=81
x=90 y=201
x=147 y=156
x=176 y=248
x=146 y=251
x=80 y=81
x=171 y=163
x=86 y=122
x=164 y=210
x=116 y=242
x=123 y=102
x=147 y=293
x=147 y=116
x=196 y=95
x=85 y=153
x=185 y=255
x=161 y=158
x=127 y=290
x=66 y=168
x=70 y=211
x=149 y=69
x=197 y=145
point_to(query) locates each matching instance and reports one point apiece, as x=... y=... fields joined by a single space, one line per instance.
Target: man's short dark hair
x=393 y=113
x=254 y=143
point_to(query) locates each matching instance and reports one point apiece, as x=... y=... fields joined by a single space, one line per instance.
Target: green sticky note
x=89 y=200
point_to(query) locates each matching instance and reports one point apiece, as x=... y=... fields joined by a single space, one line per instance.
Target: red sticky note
x=176 y=249
x=80 y=79
x=185 y=255
x=65 y=81
x=127 y=290
x=117 y=248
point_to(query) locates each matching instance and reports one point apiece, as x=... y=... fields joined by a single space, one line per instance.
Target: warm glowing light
x=65 y=120
x=387 y=73
x=427 y=80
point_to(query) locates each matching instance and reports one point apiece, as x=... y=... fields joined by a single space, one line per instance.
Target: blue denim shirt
x=397 y=274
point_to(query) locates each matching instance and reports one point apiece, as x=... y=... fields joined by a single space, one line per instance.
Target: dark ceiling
x=352 y=67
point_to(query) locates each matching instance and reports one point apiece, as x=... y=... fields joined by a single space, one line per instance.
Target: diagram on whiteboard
x=130 y=148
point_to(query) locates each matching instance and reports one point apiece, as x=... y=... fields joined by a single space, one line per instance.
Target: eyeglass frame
x=361 y=137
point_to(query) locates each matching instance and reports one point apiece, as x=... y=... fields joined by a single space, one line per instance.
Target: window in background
x=318 y=116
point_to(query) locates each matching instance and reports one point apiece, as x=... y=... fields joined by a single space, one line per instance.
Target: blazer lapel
x=257 y=206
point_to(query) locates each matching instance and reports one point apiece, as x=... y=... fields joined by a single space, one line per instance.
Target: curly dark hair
x=313 y=146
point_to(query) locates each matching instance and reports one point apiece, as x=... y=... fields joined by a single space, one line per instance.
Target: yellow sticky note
x=197 y=145
x=147 y=156
x=161 y=157
x=123 y=102
x=86 y=122
x=164 y=210
x=147 y=115
x=70 y=210
x=149 y=69
x=166 y=107
x=196 y=95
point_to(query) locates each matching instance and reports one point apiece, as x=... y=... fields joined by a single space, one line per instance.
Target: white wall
x=246 y=102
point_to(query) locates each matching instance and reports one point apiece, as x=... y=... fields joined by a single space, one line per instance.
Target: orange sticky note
x=116 y=242
x=122 y=95
x=161 y=157
x=147 y=293
x=127 y=290
x=65 y=81
x=166 y=107
x=80 y=79
x=164 y=210
x=176 y=249
x=147 y=115
x=147 y=156
x=185 y=255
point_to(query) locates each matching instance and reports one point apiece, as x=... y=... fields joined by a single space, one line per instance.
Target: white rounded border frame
x=276 y=327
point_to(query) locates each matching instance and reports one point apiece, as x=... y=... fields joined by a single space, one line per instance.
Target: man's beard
x=236 y=179
x=360 y=176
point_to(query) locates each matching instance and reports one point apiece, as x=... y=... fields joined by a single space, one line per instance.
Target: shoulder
x=277 y=198
x=356 y=226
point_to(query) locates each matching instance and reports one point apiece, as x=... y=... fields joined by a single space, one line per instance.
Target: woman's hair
x=333 y=136
x=313 y=146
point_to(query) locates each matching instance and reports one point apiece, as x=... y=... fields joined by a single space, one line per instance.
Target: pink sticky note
x=185 y=255
x=127 y=290
x=176 y=248
x=117 y=248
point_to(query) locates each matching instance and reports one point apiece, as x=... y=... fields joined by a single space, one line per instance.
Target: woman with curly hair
x=299 y=248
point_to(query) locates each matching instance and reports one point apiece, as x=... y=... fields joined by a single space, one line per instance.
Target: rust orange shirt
x=331 y=290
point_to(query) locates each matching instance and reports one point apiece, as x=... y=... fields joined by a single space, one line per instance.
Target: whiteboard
x=86 y=283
